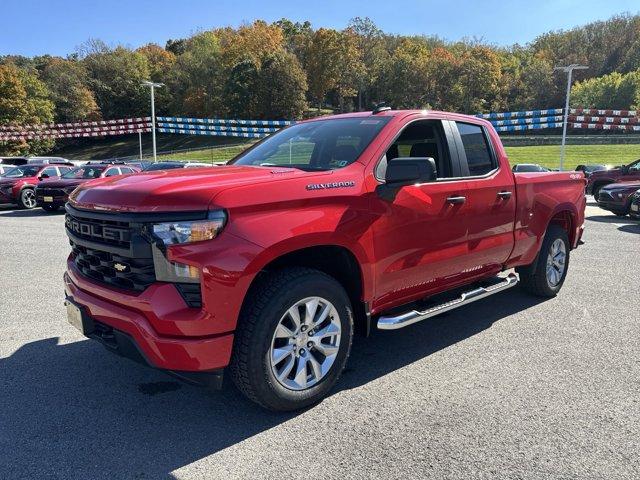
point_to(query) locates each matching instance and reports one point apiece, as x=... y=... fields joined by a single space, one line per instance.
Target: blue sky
x=31 y=27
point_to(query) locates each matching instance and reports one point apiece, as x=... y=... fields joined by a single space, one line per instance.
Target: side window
x=479 y=157
x=125 y=170
x=50 y=171
x=423 y=138
x=111 y=172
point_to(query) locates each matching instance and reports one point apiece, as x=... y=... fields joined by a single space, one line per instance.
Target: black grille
x=51 y=192
x=112 y=269
x=108 y=232
x=191 y=294
x=604 y=196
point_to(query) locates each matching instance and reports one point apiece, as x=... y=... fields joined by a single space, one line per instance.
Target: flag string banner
x=38 y=135
x=49 y=126
x=213 y=132
x=223 y=121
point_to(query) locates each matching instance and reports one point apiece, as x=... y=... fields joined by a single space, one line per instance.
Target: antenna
x=380 y=107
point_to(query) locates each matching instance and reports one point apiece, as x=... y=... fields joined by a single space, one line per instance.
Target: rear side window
x=479 y=157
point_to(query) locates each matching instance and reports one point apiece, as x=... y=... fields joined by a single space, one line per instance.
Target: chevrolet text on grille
x=97 y=231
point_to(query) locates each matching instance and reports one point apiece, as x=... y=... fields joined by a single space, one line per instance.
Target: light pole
x=568 y=70
x=153 y=85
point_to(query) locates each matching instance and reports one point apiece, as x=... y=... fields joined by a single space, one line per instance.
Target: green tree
x=115 y=77
x=282 y=87
x=67 y=81
x=24 y=100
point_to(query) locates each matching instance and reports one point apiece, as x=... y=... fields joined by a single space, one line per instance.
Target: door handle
x=504 y=195
x=456 y=200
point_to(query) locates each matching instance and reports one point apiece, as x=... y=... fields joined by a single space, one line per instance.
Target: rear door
x=491 y=199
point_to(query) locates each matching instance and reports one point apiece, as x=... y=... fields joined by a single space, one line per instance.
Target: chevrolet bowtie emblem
x=121 y=267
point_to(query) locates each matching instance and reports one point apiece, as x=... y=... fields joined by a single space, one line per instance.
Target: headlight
x=172 y=233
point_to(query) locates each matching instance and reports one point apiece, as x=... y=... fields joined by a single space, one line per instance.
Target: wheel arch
x=337 y=261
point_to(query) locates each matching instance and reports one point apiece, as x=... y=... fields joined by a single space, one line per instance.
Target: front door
x=420 y=236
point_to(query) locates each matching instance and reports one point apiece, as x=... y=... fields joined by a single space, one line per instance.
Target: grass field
x=549 y=155
x=546 y=155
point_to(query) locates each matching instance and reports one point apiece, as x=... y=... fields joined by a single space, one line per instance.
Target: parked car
x=529 y=167
x=5 y=168
x=266 y=265
x=173 y=164
x=18 y=185
x=616 y=197
x=623 y=173
x=49 y=160
x=13 y=161
x=634 y=207
x=589 y=169
x=169 y=165
x=52 y=194
x=140 y=165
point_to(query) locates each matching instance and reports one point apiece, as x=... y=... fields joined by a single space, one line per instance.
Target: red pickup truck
x=268 y=265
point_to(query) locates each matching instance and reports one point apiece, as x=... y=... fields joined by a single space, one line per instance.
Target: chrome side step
x=409 y=318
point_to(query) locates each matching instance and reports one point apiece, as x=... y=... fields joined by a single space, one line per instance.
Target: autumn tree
x=24 y=100
x=116 y=76
x=282 y=87
x=67 y=82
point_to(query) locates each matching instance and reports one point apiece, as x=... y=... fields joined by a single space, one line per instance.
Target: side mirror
x=43 y=176
x=404 y=171
x=410 y=170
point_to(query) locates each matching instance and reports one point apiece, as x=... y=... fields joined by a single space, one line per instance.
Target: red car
x=51 y=194
x=338 y=224
x=624 y=173
x=17 y=185
x=616 y=197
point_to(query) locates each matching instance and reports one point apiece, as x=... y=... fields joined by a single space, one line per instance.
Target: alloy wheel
x=305 y=343
x=556 y=262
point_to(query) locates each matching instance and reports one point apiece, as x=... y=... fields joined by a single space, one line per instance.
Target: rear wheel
x=27 y=198
x=545 y=276
x=293 y=339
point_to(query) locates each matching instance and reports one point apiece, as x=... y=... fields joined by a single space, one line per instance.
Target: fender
x=328 y=239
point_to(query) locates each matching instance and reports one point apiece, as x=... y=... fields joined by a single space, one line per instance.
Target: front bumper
x=6 y=197
x=131 y=317
x=613 y=205
x=57 y=200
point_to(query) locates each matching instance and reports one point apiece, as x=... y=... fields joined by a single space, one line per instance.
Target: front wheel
x=27 y=198
x=545 y=276
x=293 y=339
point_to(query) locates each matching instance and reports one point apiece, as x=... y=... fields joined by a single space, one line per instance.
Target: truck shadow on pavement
x=36 y=212
x=75 y=410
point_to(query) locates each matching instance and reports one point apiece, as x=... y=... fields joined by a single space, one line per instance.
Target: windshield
x=318 y=145
x=23 y=171
x=84 y=172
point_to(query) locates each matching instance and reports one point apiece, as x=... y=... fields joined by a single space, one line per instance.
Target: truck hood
x=621 y=186
x=184 y=189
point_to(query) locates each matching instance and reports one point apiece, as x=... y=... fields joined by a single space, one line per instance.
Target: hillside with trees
x=286 y=70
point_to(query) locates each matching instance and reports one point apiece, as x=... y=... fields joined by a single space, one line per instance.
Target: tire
x=259 y=340
x=535 y=278
x=50 y=208
x=596 y=190
x=27 y=199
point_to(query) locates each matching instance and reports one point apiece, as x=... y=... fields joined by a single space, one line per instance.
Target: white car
x=47 y=160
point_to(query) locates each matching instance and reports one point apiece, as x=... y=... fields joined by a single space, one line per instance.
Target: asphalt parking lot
x=509 y=387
